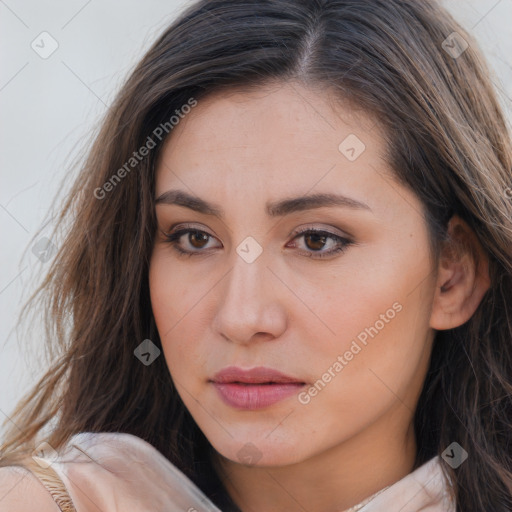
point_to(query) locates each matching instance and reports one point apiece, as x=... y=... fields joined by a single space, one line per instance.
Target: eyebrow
x=274 y=209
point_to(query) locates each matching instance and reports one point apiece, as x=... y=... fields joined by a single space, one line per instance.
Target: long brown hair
x=448 y=141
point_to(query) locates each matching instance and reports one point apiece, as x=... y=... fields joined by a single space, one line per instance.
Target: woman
x=287 y=280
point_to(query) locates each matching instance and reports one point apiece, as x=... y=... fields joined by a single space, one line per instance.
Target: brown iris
x=197 y=235
x=316 y=239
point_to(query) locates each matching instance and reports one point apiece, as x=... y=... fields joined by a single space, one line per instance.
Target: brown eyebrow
x=273 y=209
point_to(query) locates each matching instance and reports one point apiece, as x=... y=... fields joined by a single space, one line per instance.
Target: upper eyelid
x=295 y=232
x=298 y=232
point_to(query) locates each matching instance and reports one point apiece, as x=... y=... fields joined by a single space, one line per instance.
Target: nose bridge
x=248 y=304
x=245 y=286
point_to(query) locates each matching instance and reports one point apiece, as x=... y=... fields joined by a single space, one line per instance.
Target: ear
x=462 y=279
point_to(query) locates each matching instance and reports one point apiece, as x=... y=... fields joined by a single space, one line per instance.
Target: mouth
x=256 y=388
x=242 y=395
x=259 y=383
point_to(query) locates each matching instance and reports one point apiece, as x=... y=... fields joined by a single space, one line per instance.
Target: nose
x=251 y=306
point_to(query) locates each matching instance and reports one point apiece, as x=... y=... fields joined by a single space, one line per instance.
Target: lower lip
x=255 y=396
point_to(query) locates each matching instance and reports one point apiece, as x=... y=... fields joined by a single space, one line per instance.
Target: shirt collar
x=423 y=490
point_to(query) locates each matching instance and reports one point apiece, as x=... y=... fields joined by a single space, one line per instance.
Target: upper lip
x=256 y=375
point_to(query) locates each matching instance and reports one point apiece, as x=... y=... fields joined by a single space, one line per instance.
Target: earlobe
x=462 y=277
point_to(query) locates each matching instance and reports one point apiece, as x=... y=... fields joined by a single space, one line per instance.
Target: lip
x=255 y=388
x=256 y=375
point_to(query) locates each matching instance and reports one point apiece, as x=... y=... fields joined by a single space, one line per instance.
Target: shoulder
x=107 y=464
x=20 y=491
x=105 y=468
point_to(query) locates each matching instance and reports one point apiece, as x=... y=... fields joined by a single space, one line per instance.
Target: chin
x=260 y=451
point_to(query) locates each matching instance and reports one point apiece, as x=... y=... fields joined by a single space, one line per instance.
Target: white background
x=49 y=107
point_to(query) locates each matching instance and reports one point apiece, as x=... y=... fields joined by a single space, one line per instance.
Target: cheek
x=168 y=311
x=377 y=368
x=378 y=322
x=162 y=286
x=172 y=297
x=375 y=294
x=177 y=308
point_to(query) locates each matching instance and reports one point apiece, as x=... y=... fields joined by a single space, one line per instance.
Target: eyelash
x=173 y=238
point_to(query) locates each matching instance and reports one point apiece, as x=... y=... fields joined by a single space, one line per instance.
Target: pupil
x=197 y=235
x=317 y=237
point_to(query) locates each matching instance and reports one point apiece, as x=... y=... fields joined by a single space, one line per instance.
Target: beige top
x=119 y=472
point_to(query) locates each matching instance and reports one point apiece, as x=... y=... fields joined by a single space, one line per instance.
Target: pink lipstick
x=255 y=388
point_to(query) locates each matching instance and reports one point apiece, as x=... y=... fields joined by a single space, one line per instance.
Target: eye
x=314 y=239
x=196 y=239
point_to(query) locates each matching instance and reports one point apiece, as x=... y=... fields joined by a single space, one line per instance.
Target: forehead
x=281 y=137
x=258 y=114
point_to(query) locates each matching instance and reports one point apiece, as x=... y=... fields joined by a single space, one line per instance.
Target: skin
x=293 y=312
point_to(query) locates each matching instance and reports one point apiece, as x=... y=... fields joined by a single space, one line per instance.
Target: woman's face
x=344 y=313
